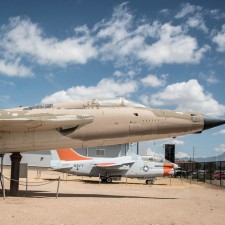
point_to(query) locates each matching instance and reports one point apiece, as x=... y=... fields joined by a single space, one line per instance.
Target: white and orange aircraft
x=69 y=161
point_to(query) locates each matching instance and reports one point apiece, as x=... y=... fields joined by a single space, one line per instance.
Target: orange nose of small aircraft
x=168 y=169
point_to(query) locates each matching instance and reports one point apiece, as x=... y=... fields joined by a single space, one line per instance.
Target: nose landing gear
x=149 y=181
x=106 y=180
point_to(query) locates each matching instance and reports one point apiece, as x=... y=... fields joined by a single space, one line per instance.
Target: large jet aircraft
x=93 y=123
x=69 y=161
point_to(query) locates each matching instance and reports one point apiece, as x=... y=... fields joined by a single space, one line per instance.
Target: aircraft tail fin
x=68 y=154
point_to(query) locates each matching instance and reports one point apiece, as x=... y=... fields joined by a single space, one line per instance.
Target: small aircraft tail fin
x=68 y=154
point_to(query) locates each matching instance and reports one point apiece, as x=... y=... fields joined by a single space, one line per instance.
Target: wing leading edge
x=113 y=166
x=43 y=122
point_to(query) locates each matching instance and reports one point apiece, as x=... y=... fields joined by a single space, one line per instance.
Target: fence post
x=3 y=185
x=57 y=194
x=204 y=171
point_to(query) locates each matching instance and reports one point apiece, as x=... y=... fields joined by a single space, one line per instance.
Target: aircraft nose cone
x=175 y=166
x=212 y=122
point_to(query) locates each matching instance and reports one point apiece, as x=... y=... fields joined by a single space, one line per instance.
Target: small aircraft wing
x=63 y=169
x=44 y=121
x=113 y=166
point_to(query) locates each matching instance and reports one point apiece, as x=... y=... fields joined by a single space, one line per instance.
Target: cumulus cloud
x=177 y=142
x=150 y=152
x=221 y=132
x=197 y=22
x=13 y=69
x=120 y=39
x=130 y=73
x=216 y=14
x=188 y=96
x=173 y=46
x=219 y=40
x=22 y=37
x=220 y=148
x=153 y=81
x=181 y=155
x=150 y=43
x=187 y=9
x=106 y=88
x=210 y=78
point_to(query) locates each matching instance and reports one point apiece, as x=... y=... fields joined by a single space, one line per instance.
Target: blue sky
x=165 y=54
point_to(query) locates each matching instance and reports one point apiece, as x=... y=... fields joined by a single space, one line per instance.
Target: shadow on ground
x=44 y=194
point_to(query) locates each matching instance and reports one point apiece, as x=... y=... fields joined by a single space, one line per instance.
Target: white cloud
x=153 y=44
x=187 y=9
x=119 y=39
x=210 y=78
x=22 y=37
x=188 y=96
x=106 y=88
x=171 y=141
x=153 y=153
x=153 y=81
x=173 y=46
x=221 y=132
x=177 y=142
x=13 y=69
x=180 y=155
x=219 y=39
x=220 y=148
x=197 y=22
x=217 y=14
x=130 y=73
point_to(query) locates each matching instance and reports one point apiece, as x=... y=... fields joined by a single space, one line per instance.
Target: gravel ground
x=85 y=201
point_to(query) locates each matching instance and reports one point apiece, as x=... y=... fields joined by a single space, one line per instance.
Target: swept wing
x=15 y=122
x=113 y=166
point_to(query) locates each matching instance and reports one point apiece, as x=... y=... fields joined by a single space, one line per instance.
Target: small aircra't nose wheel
x=106 y=180
x=109 y=180
x=149 y=181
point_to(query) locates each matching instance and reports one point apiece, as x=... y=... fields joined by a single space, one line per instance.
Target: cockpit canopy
x=118 y=102
x=91 y=103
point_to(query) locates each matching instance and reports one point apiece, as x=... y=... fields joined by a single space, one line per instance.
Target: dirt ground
x=85 y=201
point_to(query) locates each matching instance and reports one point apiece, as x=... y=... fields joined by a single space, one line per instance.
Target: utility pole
x=193 y=153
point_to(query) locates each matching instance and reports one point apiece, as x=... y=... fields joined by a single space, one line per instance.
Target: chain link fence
x=206 y=172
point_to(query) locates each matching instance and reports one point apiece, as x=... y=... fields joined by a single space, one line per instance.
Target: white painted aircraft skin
x=69 y=161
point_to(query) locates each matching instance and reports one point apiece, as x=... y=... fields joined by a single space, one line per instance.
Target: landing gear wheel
x=109 y=180
x=149 y=182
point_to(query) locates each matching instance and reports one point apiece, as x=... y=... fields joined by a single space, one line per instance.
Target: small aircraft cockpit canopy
x=118 y=102
x=153 y=158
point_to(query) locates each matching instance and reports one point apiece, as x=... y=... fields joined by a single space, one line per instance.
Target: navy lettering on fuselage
x=77 y=166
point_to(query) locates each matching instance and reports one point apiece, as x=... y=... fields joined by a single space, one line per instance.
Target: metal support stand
x=15 y=171
x=1 y=156
x=57 y=193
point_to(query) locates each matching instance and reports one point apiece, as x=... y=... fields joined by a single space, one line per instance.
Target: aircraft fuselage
x=109 y=125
